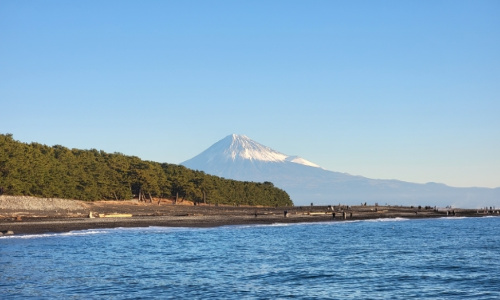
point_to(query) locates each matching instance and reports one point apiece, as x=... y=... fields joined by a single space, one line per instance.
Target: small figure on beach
x=333 y=215
x=285 y=213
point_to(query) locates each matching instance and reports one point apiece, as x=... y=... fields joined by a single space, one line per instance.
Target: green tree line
x=56 y=171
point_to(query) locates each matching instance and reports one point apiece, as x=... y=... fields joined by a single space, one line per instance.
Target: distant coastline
x=30 y=215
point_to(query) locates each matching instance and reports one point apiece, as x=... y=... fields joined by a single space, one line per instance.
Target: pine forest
x=58 y=172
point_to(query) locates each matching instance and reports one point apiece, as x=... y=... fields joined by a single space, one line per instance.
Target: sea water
x=448 y=258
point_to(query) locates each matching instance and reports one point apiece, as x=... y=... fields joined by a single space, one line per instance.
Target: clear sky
x=405 y=90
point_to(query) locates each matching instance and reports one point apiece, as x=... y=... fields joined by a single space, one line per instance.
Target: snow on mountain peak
x=300 y=160
x=243 y=147
x=237 y=146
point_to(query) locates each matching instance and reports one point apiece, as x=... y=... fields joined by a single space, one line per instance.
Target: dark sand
x=38 y=221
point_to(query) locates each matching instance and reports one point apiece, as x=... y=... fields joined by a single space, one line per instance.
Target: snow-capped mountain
x=240 y=158
x=239 y=148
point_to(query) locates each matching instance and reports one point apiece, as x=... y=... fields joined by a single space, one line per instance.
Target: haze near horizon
x=389 y=90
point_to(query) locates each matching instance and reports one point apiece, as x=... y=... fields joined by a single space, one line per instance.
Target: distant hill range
x=240 y=158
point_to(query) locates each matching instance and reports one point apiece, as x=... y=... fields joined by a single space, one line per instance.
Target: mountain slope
x=240 y=158
x=234 y=148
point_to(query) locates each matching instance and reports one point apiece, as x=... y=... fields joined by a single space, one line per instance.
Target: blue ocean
x=448 y=258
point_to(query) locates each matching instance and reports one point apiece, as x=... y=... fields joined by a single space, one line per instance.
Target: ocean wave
x=260 y=225
x=337 y=222
x=87 y=232
x=453 y=218
x=398 y=219
x=56 y=234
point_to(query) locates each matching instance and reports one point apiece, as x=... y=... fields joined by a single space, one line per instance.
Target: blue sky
x=405 y=90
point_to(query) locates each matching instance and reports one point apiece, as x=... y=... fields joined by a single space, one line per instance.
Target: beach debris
x=317 y=213
x=115 y=215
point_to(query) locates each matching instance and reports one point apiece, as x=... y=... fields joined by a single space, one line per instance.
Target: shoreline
x=63 y=225
x=30 y=215
x=58 y=225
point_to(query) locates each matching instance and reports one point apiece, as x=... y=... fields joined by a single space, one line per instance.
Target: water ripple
x=388 y=258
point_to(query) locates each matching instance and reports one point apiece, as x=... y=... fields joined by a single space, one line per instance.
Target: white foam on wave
x=58 y=234
x=292 y=224
x=88 y=232
x=147 y=229
x=453 y=218
x=330 y=223
x=166 y=229
x=258 y=225
x=398 y=219
x=280 y=224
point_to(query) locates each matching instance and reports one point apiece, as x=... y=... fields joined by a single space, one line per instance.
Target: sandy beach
x=29 y=215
